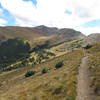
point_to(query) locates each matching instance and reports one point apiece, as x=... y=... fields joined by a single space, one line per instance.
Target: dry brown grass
x=63 y=48
x=56 y=84
x=94 y=63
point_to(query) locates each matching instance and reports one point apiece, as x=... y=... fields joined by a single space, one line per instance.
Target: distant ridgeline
x=13 y=50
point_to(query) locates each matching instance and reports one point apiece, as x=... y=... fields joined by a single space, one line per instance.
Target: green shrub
x=58 y=90
x=31 y=59
x=59 y=64
x=44 y=70
x=88 y=46
x=71 y=98
x=29 y=73
x=25 y=62
x=13 y=50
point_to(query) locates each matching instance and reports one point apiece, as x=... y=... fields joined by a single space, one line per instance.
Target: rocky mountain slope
x=35 y=34
x=67 y=34
x=91 y=39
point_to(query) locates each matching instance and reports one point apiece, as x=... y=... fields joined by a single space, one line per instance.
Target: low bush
x=70 y=98
x=58 y=90
x=29 y=73
x=87 y=46
x=59 y=64
x=44 y=70
x=31 y=59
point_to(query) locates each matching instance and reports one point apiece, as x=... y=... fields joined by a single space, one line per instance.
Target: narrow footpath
x=84 y=91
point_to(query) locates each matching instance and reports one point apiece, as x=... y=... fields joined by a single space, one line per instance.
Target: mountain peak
x=41 y=26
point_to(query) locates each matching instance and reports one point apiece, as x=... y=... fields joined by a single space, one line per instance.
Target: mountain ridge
x=39 y=33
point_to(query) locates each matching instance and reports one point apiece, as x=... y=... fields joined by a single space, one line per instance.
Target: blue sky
x=92 y=23
x=9 y=17
x=80 y=15
x=68 y=12
x=34 y=1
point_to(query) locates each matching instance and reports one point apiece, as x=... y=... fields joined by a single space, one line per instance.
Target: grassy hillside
x=91 y=39
x=62 y=48
x=94 y=63
x=22 y=32
x=16 y=53
x=39 y=34
x=22 y=55
x=51 y=58
x=56 y=84
x=32 y=35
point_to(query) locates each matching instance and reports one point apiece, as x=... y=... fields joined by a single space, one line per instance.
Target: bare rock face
x=47 y=31
x=91 y=39
x=64 y=32
x=70 y=33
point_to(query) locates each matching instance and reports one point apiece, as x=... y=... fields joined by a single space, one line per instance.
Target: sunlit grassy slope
x=45 y=54
x=56 y=84
x=66 y=47
x=94 y=63
x=31 y=35
x=39 y=34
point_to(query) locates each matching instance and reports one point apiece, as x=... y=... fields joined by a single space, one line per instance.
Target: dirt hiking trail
x=84 y=91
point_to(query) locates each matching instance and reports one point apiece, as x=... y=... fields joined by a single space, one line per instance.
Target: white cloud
x=2 y=22
x=52 y=12
x=89 y=30
x=1 y=10
x=24 y=23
